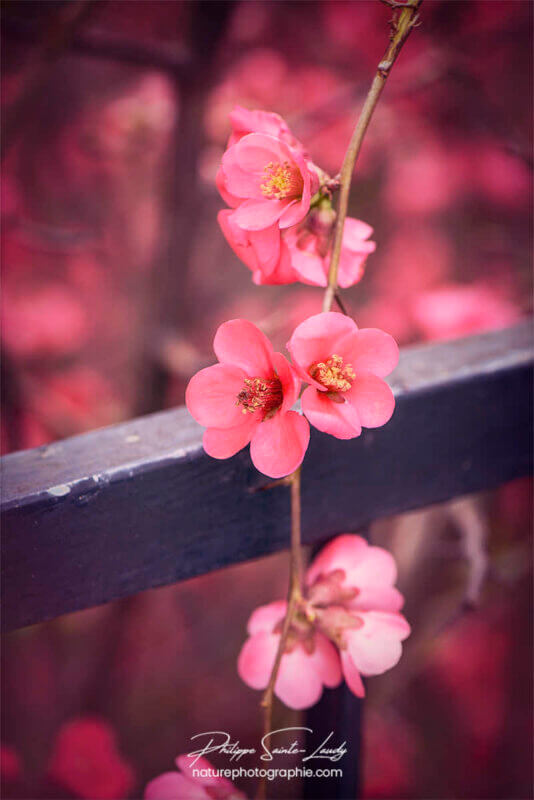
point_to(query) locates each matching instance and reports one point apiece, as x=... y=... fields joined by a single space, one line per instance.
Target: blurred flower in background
x=113 y=262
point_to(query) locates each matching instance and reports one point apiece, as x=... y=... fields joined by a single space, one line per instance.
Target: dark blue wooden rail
x=138 y=505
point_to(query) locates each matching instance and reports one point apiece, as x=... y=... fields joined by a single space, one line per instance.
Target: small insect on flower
x=247 y=397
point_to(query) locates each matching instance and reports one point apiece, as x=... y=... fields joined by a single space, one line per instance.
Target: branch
x=401 y=27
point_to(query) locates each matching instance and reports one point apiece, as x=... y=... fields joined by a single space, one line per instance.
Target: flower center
x=263 y=394
x=333 y=374
x=281 y=181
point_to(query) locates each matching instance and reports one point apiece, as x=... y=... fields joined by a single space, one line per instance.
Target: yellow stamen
x=281 y=181
x=333 y=374
x=260 y=394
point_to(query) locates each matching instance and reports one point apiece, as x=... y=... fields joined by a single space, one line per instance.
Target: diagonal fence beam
x=139 y=505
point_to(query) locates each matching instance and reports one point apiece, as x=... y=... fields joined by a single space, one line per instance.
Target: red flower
x=86 y=761
x=247 y=397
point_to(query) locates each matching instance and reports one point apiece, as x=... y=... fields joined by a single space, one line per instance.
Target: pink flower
x=309 y=662
x=344 y=367
x=271 y=181
x=307 y=250
x=350 y=586
x=454 y=310
x=247 y=397
x=86 y=761
x=185 y=785
x=347 y=622
x=10 y=764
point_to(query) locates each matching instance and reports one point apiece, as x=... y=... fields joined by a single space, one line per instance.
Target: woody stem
x=401 y=27
x=293 y=599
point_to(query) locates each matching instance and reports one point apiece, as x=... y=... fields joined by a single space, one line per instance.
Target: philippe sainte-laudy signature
x=281 y=742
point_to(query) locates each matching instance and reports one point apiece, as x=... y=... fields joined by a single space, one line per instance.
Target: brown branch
x=401 y=27
x=293 y=599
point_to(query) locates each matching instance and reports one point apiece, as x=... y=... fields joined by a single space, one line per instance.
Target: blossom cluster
x=347 y=625
x=249 y=395
x=281 y=219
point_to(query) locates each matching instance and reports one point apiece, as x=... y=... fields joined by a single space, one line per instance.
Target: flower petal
x=256 y=659
x=309 y=266
x=266 y=244
x=279 y=444
x=371 y=350
x=254 y=215
x=316 y=339
x=220 y=182
x=352 y=676
x=238 y=239
x=264 y=618
x=226 y=442
x=372 y=398
x=211 y=396
x=289 y=379
x=173 y=786
x=343 y=552
x=325 y=660
x=298 y=684
x=376 y=647
x=338 y=419
x=241 y=343
x=294 y=213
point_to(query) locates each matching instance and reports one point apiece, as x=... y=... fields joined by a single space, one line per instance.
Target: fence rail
x=138 y=505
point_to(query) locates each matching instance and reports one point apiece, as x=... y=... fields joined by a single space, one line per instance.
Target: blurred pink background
x=115 y=277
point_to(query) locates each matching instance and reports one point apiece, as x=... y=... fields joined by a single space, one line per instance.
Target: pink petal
x=238 y=239
x=226 y=442
x=294 y=213
x=237 y=182
x=379 y=598
x=309 y=266
x=279 y=444
x=241 y=343
x=317 y=338
x=289 y=379
x=372 y=398
x=338 y=419
x=351 y=265
x=256 y=150
x=219 y=783
x=282 y=273
x=352 y=676
x=385 y=623
x=265 y=618
x=254 y=215
x=371 y=350
x=354 y=232
x=245 y=121
x=376 y=647
x=266 y=244
x=343 y=552
x=372 y=570
x=256 y=659
x=211 y=396
x=298 y=684
x=220 y=182
x=373 y=566
x=325 y=661
x=173 y=786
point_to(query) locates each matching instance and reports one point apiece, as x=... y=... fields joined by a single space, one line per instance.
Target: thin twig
x=402 y=26
x=293 y=598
